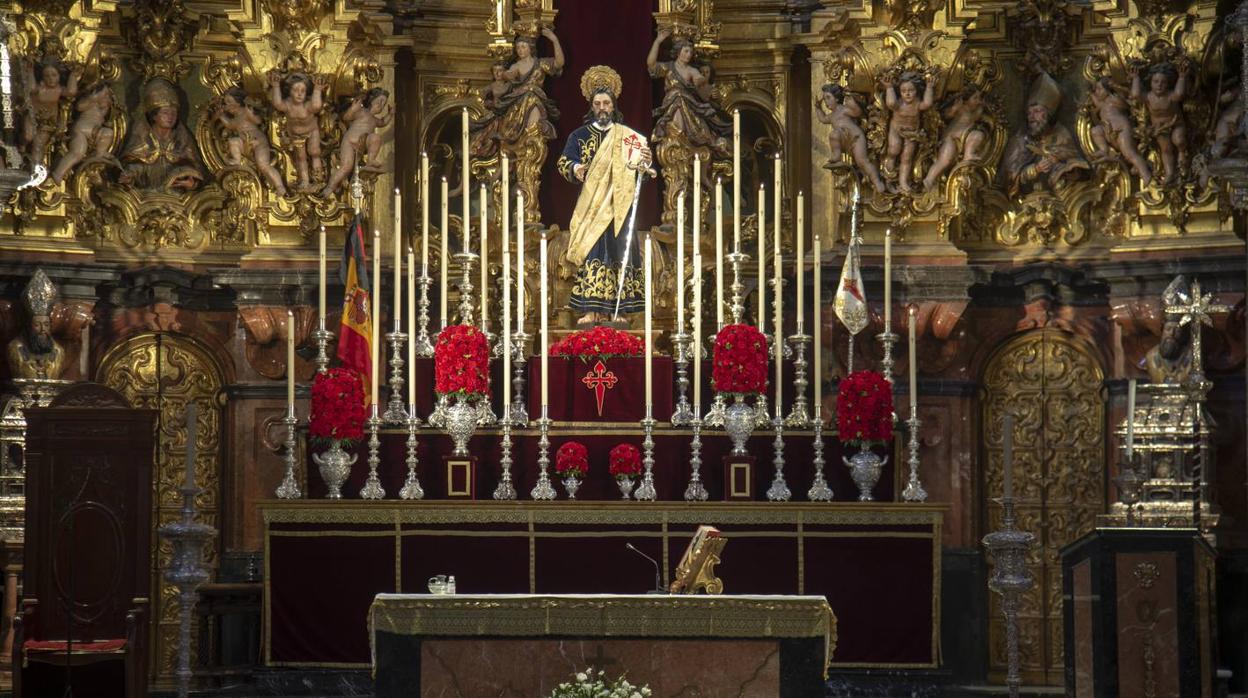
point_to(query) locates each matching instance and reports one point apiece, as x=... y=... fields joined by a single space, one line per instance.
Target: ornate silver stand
x=396 y=413
x=186 y=571
x=411 y=487
x=437 y=418
x=695 y=491
x=289 y=489
x=519 y=349
x=466 y=261
x=645 y=491
x=543 y=489
x=424 y=344
x=914 y=491
x=506 y=490
x=683 y=414
x=372 y=487
x=888 y=339
x=1010 y=579
x=321 y=336
x=779 y=490
x=738 y=300
x=819 y=490
x=799 y=416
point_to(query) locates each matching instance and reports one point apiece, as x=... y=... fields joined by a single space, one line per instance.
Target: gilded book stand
x=696 y=571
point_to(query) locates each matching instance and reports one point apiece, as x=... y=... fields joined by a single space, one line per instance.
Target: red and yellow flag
x=356 y=335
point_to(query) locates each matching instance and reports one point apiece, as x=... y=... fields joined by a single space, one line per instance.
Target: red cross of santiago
x=600 y=380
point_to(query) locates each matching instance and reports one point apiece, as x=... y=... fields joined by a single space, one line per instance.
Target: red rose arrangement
x=572 y=460
x=461 y=362
x=625 y=462
x=598 y=343
x=740 y=360
x=337 y=407
x=864 y=408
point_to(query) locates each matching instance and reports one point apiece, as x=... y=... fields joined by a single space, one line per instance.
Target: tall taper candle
x=800 y=234
x=1130 y=419
x=398 y=264
x=761 y=315
x=719 y=253
x=376 y=341
x=778 y=302
x=777 y=189
x=649 y=320
x=411 y=327
x=192 y=436
x=1007 y=457
x=888 y=279
x=680 y=263
x=446 y=241
x=424 y=214
x=504 y=200
x=466 y=178
x=320 y=279
x=736 y=180
x=290 y=358
x=697 y=330
x=696 y=230
x=519 y=261
x=545 y=330
x=505 y=328
x=485 y=260
x=911 y=320
x=818 y=316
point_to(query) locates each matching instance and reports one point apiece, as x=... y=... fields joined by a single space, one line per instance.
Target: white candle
x=376 y=343
x=424 y=215
x=466 y=179
x=801 y=262
x=545 y=329
x=519 y=262
x=411 y=330
x=779 y=323
x=888 y=279
x=1130 y=419
x=736 y=180
x=761 y=315
x=84 y=356
x=500 y=16
x=505 y=328
x=446 y=237
x=696 y=230
x=485 y=261
x=680 y=263
x=697 y=328
x=912 y=314
x=504 y=200
x=818 y=318
x=397 y=309
x=192 y=435
x=649 y=318
x=290 y=360
x=719 y=253
x=1007 y=446
x=320 y=277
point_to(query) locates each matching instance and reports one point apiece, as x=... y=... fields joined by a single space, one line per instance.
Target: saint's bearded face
x=603 y=107
x=1037 y=120
x=1172 y=340
x=39 y=339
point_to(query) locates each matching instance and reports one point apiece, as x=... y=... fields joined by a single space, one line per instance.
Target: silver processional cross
x=1193 y=308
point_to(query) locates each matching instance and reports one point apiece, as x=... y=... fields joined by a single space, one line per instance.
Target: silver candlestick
x=437 y=418
x=186 y=571
x=819 y=490
x=738 y=299
x=424 y=343
x=888 y=339
x=646 y=491
x=914 y=491
x=695 y=491
x=396 y=413
x=321 y=336
x=779 y=490
x=411 y=487
x=519 y=357
x=715 y=416
x=683 y=414
x=1010 y=579
x=289 y=489
x=466 y=261
x=506 y=490
x=799 y=416
x=543 y=489
x=372 y=486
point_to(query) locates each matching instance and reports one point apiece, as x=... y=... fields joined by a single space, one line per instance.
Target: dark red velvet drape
x=599 y=32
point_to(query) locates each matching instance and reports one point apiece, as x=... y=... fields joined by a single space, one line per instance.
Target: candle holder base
x=888 y=339
x=683 y=414
x=411 y=486
x=543 y=490
x=799 y=416
x=819 y=490
x=485 y=414
x=779 y=490
x=437 y=418
x=646 y=491
x=372 y=486
x=695 y=491
x=914 y=491
x=737 y=308
x=396 y=413
x=289 y=489
x=762 y=413
x=519 y=411
x=322 y=336
x=424 y=344
x=506 y=489
x=466 y=262
x=715 y=416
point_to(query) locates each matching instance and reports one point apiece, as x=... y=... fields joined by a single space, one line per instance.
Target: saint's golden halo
x=599 y=76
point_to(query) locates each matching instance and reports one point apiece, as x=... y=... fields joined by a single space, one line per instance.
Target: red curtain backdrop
x=617 y=33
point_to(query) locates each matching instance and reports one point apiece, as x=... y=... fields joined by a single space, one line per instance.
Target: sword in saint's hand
x=643 y=170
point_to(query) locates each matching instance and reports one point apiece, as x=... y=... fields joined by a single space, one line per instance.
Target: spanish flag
x=356 y=336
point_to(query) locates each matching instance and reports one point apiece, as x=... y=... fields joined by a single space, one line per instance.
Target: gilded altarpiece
x=1053 y=387
x=167 y=372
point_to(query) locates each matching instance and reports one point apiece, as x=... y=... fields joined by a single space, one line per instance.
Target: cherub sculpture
x=244 y=137
x=1229 y=129
x=1112 y=129
x=1166 y=125
x=366 y=113
x=300 y=98
x=963 y=138
x=91 y=132
x=838 y=109
x=905 y=128
x=43 y=123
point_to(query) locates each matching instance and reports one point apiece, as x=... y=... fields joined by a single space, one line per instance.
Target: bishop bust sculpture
x=35 y=354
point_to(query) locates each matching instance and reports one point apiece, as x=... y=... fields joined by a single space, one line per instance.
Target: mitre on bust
x=35 y=354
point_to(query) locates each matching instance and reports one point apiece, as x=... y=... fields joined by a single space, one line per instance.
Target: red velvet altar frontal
x=877 y=564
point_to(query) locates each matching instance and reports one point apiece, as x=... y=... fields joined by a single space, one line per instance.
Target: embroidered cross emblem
x=600 y=380
x=852 y=288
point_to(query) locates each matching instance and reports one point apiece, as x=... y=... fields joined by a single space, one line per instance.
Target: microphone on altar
x=658 y=576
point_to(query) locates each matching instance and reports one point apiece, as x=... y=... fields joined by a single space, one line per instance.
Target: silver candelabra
x=799 y=416
x=819 y=490
x=289 y=489
x=888 y=339
x=519 y=411
x=411 y=487
x=321 y=336
x=646 y=491
x=506 y=489
x=395 y=412
x=186 y=571
x=466 y=261
x=695 y=491
x=424 y=343
x=779 y=490
x=683 y=414
x=737 y=288
x=1010 y=579
x=543 y=489
x=914 y=491
x=372 y=486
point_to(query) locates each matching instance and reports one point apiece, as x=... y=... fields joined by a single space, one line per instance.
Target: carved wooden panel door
x=187 y=373
x=1053 y=386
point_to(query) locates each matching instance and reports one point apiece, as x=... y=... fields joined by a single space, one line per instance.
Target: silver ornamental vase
x=335 y=466
x=461 y=422
x=739 y=423
x=626 y=486
x=865 y=467
x=571 y=483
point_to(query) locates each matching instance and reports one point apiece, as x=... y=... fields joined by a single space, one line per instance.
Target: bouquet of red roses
x=598 y=343
x=864 y=408
x=337 y=407
x=572 y=460
x=625 y=462
x=461 y=362
x=740 y=360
